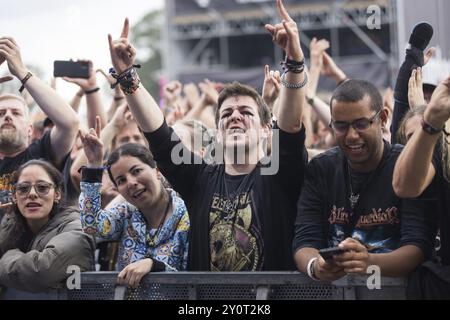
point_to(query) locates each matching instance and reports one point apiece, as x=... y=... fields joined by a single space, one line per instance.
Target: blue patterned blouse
x=126 y=223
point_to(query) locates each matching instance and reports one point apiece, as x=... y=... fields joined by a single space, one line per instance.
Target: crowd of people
x=220 y=177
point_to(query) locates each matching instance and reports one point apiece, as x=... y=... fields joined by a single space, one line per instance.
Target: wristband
x=294 y=85
x=310 y=269
x=92 y=91
x=24 y=80
x=428 y=128
x=310 y=101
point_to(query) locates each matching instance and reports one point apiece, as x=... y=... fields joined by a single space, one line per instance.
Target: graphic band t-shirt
x=236 y=242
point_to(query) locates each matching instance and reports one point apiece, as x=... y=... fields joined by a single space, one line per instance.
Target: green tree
x=146 y=36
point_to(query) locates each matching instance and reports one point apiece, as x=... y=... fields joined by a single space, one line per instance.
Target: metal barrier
x=223 y=286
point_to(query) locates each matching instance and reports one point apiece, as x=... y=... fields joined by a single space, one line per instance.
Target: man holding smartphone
x=348 y=202
x=16 y=127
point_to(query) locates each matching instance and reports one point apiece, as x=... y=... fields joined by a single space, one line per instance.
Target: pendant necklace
x=353 y=197
x=151 y=240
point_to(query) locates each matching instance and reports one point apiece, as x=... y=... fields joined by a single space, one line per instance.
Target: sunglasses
x=41 y=188
x=341 y=127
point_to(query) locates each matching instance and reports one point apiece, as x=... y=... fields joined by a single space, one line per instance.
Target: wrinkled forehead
x=239 y=102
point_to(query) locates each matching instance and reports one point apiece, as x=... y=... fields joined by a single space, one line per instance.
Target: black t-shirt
x=39 y=149
x=250 y=230
x=236 y=242
x=380 y=219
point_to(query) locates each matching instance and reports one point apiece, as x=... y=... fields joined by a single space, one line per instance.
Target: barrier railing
x=223 y=286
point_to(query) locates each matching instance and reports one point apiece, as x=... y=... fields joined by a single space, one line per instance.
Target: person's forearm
x=76 y=100
x=53 y=105
x=322 y=110
x=303 y=256
x=207 y=117
x=313 y=81
x=196 y=111
x=108 y=133
x=307 y=123
x=397 y=263
x=414 y=170
x=145 y=110
x=291 y=104
x=95 y=108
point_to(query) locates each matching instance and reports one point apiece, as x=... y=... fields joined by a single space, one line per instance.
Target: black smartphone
x=327 y=254
x=71 y=69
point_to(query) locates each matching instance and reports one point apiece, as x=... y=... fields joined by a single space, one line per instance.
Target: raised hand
x=209 y=91
x=10 y=51
x=415 y=89
x=192 y=94
x=122 y=52
x=108 y=77
x=438 y=110
x=317 y=48
x=172 y=91
x=176 y=114
x=330 y=69
x=121 y=117
x=429 y=54
x=272 y=86
x=92 y=145
x=285 y=34
x=85 y=84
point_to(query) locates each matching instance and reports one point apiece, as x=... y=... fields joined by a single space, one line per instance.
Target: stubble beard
x=11 y=141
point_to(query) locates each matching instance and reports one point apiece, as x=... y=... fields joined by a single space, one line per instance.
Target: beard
x=12 y=140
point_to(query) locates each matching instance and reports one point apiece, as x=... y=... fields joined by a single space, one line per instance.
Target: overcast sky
x=48 y=30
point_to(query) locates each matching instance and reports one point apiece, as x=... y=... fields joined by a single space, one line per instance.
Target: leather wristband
x=92 y=91
x=428 y=128
x=24 y=80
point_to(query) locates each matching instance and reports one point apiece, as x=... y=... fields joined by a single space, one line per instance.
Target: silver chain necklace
x=353 y=197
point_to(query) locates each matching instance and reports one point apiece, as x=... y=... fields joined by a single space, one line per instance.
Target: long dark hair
x=135 y=150
x=19 y=234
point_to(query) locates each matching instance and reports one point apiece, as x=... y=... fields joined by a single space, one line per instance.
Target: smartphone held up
x=71 y=69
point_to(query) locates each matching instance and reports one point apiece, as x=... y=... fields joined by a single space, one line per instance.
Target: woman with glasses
x=40 y=237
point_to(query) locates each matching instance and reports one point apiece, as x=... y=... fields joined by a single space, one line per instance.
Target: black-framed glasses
x=41 y=188
x=341 y=127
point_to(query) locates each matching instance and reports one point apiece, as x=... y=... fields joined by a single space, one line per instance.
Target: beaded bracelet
x=129 y=79
x=293 y=66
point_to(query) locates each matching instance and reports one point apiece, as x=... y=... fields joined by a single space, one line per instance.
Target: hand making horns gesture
x=286 y=34
x=122 y=52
